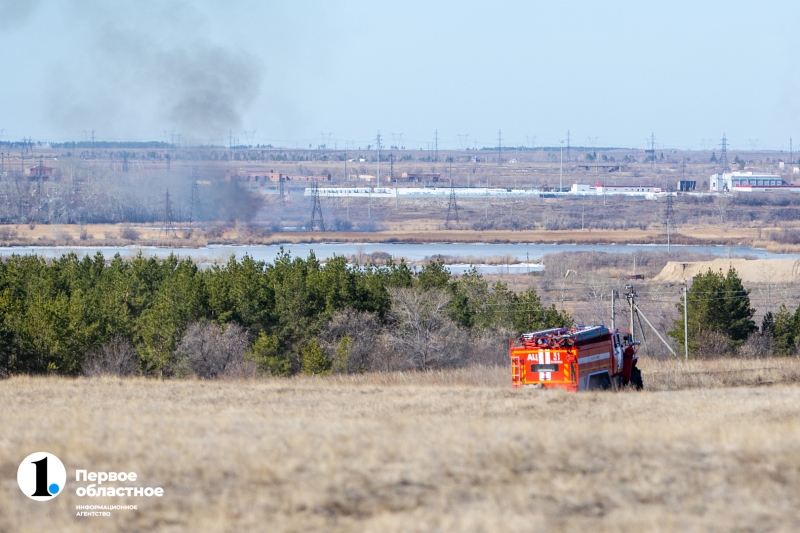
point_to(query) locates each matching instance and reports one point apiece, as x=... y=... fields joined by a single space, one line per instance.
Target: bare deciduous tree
x=488 y=348
x=213 y=352
x=758 y=345
x=714 y=345
x=422 y=329
x=364 y=329
x=116 y=358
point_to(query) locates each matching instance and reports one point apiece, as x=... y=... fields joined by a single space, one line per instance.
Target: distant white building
x=748 y=182
x=630 y=190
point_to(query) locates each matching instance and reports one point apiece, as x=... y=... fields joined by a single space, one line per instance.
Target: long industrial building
x=719 y=183
x=749 y=182
x=647 y=191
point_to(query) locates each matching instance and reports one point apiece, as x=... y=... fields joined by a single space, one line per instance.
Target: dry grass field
x=426 y=231
x=706 y=448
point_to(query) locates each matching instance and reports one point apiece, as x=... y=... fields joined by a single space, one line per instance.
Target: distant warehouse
x=749 y=182
x=626 y=189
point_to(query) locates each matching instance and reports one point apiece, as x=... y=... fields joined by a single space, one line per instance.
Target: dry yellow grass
x=422 y=230
x=449 y=451
x=677 y=374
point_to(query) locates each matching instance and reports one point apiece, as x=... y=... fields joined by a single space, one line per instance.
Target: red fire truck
x=579 y=358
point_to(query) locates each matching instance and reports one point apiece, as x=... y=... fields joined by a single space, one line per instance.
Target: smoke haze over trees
x=93 y=194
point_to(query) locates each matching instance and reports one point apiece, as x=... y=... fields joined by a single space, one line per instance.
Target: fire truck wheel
x=636 y=378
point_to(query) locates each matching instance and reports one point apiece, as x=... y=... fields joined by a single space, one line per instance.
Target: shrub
x=711 y=345
x=129 y=233
x=315 y=363
x=266 y=354
x=422 y=329
x=757 y=346
x=350 y=337
x=213 y=352
x=115 y=358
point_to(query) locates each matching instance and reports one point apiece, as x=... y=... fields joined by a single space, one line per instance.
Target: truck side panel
x=594 y=358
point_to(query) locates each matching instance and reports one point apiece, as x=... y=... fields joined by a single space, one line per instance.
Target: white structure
x=748 y=182
x=577 y=189
x=423 y=192
x=630 y=190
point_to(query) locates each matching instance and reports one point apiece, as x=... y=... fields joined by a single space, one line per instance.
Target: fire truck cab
x=579 y=358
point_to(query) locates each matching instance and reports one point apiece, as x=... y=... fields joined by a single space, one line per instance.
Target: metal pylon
x=168 y=221
x=452 y=206
x=194 y=206
x=317 y=222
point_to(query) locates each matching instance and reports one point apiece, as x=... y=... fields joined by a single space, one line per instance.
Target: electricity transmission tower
x=669 y=216
x=723 y=159
x=168 y=228
x=194 y=206
x=568 y=159
x=499 y=147
x=317 y=223
x=653 y=148
x=379 y=157
x=452 y=206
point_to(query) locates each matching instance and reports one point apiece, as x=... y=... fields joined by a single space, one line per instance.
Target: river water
x=527 y=253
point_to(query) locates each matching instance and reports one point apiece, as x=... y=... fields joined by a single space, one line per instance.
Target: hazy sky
x=613 y=71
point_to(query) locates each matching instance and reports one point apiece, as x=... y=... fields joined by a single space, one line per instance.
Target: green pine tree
x=341 y=365
x=266 y=353
x=717 y=302
x=314 y=362
x=784 y=331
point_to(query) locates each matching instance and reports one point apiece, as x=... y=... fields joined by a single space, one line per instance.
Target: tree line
x=170 y=318
x=720 y=321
